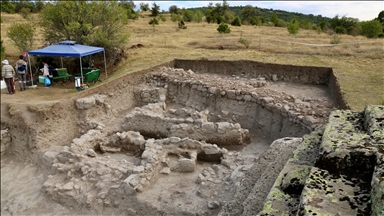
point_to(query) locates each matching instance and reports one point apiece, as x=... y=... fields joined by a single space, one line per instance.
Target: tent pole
x=30 y=69
x=81 y=69
x=105 y=66
x=61 y=58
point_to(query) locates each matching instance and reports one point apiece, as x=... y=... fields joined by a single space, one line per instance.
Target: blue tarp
x=67 y=49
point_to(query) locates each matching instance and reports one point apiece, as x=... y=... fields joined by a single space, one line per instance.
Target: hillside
x=266 y=14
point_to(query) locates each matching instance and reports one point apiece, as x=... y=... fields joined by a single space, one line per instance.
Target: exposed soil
x=173 y=194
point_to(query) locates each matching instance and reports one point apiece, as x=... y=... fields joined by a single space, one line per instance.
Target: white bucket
x=3 y=85
x=77 y=81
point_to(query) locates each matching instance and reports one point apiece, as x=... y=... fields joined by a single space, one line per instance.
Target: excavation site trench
x=184 y=138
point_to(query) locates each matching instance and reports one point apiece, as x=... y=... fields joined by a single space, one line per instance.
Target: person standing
x=46 y=72
x=21 y=68
x=8 y=74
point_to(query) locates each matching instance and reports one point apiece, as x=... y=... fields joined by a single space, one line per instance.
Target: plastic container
x=41 y=79
x=3 y=85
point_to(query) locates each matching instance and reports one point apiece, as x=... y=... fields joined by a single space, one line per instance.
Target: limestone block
x=231 y=94
x=133 y=180
x=213 y=204
x=146 y=154
x=165 y=170
x=49 y=157
x=186 y=165
x=309 y=120
x=91 y=153
x=211 y=149
x=267 y=100
x=68 y=186
x=85 y=103
x=138 y=169
x=99 y=98
x=247 y=97
x=208 y=127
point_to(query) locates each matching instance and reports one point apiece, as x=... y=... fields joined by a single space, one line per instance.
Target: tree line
x=100 y=23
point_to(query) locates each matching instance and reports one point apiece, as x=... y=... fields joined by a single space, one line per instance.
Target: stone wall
x=344 y=178
x=274 y=72
x=153 y=120
x=254 y=69
x=275 y=114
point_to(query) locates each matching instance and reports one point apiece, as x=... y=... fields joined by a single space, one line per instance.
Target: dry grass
x=359 y=67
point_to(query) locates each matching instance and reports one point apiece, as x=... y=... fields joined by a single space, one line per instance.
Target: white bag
x=3 y=85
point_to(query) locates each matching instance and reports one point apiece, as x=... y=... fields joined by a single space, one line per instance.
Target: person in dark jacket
x=21 y=73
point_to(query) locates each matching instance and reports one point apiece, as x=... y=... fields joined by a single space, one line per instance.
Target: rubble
x=185 y=142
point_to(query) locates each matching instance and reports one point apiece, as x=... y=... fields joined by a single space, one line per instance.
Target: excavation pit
x=182 y=138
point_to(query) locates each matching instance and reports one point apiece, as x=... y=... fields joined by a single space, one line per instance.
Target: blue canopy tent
x=68 y=49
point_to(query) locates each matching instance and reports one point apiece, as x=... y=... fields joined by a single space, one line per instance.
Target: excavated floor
x=305 y=106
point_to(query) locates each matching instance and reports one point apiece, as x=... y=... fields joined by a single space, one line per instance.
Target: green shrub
x=162 y=18
x=236 y=22
x=22 y=34
x=340 y=30
x=293 y=27
x=371 y=29
x=245 y=42
x=154 y=21
x=223 y=28
x=175 y=17
x=335 y=39
x=318 y=29
x=182 y=25
x=281 y=23
x=2 y=52
x=25 y=13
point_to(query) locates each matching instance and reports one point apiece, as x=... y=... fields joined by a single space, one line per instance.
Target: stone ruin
x=323 y=161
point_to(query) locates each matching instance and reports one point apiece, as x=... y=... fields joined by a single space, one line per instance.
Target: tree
x=154 y=22
x=322 y=25
x=127 y=4
x=2 y=51
x=274 y=19
x=22 y=35
x=219 y=13
x=91 y=23
x=371 y=29
x=39 y=5
x=155 y=11
x=344 y=24
x=7 y=6
x=144 y=6
x=293 y=27
x=188 y=15
x=250 y=15
x=380 y=17
x=174 y=9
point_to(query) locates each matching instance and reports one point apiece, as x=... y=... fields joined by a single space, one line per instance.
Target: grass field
x=357 y=61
